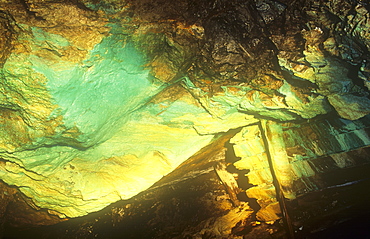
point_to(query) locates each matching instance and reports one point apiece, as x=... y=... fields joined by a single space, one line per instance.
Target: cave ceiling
x=101 y=99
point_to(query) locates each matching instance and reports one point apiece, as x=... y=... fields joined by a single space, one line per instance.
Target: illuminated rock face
x=101 y=100
x=99 y=147
x=80 y=131
x=299 y=155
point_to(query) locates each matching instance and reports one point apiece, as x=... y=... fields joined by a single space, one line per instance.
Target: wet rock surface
x=101 y=99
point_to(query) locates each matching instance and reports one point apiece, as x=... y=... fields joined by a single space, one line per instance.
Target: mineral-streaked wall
x=77 y=134
x=100 y=99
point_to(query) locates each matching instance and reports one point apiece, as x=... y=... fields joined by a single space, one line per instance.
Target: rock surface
x=101 y=99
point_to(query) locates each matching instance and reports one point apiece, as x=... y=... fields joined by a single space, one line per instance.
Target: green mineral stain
x=171 y=110
x=42 y=37
x=105 y=98
x=98 y=93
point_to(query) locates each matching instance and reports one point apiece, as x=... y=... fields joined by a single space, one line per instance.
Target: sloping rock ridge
x=101 y=99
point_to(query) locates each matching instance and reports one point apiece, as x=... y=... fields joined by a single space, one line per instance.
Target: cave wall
x=101 y=99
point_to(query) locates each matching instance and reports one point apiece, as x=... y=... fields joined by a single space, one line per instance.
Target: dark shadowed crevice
x=241 y=179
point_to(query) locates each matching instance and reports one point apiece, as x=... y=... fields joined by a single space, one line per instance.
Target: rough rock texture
x=190 y=202
x=101 y=99
x=76 y=108
x=193 y=202
x=297 y=156
x=18 y=211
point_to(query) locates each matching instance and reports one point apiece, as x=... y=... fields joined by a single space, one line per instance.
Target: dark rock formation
x=102 y=98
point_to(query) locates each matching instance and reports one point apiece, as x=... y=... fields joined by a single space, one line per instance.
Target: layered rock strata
x=101 y=99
